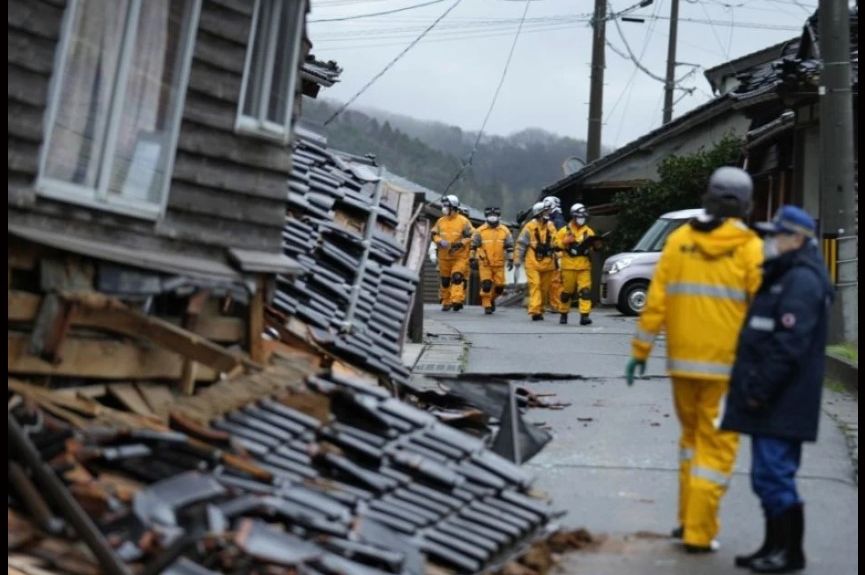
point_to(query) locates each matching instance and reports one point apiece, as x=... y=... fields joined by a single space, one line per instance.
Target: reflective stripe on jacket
x=493 y=245
x=778 y=376
x=707 y=274
x=453 y=228
x=535 y=246
x=567 y=237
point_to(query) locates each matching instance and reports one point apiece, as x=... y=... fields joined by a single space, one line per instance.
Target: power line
x=730 y=37
x=474 y=150
x=337 y=3
x=637 y=63
x=726 y=52
x=458 y=38
x=372 y=14
x=391 y=63
x=629 y=87
x=504 y=24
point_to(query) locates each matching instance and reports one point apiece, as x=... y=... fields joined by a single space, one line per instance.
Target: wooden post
x=256 y=322
x=190 y=319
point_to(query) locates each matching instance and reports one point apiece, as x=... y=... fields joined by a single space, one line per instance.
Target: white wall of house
x=643 y=165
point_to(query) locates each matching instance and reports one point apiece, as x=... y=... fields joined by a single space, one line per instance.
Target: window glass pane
x=255 y=79
x=151 y=97
x=277 y=108
x=87 y=82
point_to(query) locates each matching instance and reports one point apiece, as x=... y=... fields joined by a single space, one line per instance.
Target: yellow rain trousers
x=535 y=249
x=453 y=263
x=554 y=295
x=493 y=247
x=576 y=271
x=707 y=274
x=706 y=457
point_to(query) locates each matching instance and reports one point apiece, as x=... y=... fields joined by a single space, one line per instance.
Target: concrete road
x=612 y=463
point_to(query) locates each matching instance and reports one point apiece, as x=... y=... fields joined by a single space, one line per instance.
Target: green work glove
x=631 y=368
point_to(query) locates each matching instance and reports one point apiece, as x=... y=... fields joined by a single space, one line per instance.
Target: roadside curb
x=844 y=372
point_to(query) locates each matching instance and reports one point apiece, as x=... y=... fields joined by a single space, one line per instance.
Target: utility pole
x=837 y=203
x=596 y=95
x=671 y=62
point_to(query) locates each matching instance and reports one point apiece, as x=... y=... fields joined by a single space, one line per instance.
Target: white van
x=626 y=276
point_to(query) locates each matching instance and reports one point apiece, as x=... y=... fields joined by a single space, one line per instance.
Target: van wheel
x=632 y=300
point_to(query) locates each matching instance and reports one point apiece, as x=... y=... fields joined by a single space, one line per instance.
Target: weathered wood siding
x=227 y=189
x=33 y=34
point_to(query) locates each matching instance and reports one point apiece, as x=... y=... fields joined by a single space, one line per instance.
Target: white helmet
x=450 y=204
x=579 y=211
x=451 y=200
x=553 y=202
x=539 y=208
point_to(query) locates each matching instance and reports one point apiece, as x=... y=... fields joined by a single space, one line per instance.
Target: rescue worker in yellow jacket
x=574 y=242
x=535 y=250
x=492 y=248
x=554 y=296
x=708 y=273
x=452 y=234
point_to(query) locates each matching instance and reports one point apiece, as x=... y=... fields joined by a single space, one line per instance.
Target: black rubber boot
x=458 y=306
x=563 y=318
x=538 y=317
x=788 y=555
x=678 y=533
x=489 y=310
x=770 y=541
x=584 y=319
x=446 y=307
x=493 y=306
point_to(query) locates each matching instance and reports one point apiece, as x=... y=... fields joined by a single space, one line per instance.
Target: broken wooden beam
x=100 y=359
x=111 y=317
x=23 y=307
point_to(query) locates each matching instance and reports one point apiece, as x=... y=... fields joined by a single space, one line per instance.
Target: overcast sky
x=451 y=75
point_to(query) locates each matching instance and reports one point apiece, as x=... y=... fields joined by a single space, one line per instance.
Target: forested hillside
x=507 y=171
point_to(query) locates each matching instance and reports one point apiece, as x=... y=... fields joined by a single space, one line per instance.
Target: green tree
x=681 y=184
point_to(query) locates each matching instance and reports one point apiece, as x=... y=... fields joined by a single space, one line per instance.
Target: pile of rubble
x=331 y=476
x=298 y=457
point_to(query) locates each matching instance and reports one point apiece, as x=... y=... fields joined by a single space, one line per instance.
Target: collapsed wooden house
x=203 y=303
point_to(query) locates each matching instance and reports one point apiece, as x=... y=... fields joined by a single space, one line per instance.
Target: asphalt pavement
x=612 y=464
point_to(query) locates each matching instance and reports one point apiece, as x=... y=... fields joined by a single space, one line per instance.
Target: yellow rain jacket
x=703 y=283
x=493 y=246
x=565 y=237
x=453 y=228
x=535 y=246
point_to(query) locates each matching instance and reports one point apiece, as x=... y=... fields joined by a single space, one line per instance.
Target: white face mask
x=446 y=211
x=581 y=221
x=492 y=220
x=770 y=248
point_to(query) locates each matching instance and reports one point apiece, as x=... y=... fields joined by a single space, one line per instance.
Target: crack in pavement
x=547 y=466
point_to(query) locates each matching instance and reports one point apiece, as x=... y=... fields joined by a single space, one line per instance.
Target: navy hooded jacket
x=777 y=377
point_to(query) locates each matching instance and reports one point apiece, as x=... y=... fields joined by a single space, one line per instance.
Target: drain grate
x=434 y=338
x=436 y=368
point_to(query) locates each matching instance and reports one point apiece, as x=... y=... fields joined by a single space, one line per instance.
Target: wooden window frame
x=260 y=126
x=98 y=197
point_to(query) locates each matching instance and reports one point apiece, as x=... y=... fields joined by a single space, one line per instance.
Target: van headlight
x=620 y=265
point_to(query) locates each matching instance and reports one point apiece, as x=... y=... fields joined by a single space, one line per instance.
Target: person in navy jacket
x=777 y=381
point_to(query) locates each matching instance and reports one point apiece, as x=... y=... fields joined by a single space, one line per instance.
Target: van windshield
x=654 y=238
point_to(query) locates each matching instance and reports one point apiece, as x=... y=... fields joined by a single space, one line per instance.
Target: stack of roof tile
x=374 y=487
x=329 y=202
x=798 y=66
